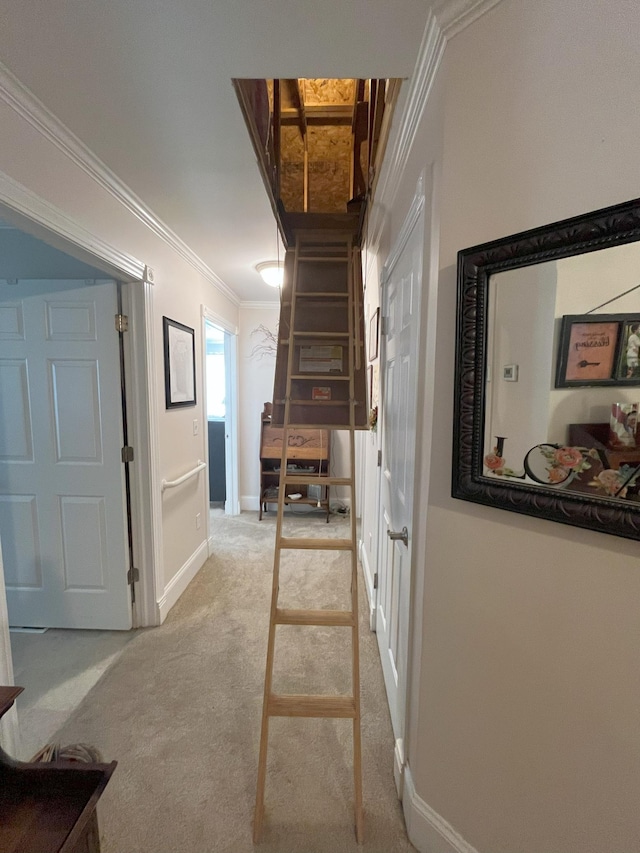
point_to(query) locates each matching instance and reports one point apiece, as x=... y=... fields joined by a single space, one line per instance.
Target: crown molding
x=261 y=306
x=25 y=203
x=429 y=57
x=447 y=19
x=32 y=110
x=455 y=15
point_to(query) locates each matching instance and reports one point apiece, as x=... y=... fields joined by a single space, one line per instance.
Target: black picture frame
x=590 y=232
x=179 y=364
x=628 y=366
x=589 y=350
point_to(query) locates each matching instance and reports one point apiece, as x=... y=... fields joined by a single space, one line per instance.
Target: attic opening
x=319 y=144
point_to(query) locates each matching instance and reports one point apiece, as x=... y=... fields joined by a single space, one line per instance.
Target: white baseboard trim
x=181 y=580
x=427 y=830
x=399 y=767
x=368 y=584
x=231 y=508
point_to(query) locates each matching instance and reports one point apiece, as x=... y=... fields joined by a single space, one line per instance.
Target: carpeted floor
x=180 y=712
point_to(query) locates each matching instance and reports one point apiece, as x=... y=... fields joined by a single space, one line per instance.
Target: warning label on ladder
x=321 y=359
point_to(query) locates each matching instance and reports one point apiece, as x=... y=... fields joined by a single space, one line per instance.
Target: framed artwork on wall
x=598 y=349
x=179 y=364
x=627 y=368
x=588 y=352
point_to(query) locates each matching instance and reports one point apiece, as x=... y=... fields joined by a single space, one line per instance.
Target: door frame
x=415 y=219
x=232 y=501
x=32 y=214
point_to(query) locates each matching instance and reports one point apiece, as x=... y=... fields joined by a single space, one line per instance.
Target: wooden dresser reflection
x=596 y=436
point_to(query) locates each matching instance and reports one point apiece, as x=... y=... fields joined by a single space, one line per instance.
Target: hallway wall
x=256 y=370
x=179 y=290
x=525 y=734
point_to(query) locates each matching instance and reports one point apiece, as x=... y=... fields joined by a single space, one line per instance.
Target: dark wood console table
x=596 y=436
x=48 y=808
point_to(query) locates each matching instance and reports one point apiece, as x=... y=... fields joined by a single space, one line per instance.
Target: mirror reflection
x=562 y=386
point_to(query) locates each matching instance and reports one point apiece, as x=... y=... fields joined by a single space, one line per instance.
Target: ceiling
x=146 y=85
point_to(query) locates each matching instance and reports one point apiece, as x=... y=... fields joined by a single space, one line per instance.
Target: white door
x=400 y=310
x=62 y=510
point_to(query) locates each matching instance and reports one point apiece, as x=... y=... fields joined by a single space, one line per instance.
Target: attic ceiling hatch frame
x=319 y=144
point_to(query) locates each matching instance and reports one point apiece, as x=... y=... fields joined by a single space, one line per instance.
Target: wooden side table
x=48 y=808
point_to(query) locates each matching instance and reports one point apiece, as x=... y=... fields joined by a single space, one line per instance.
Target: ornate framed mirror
x=547 y=381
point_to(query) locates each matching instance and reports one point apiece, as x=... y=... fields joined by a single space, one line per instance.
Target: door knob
x=403 y=535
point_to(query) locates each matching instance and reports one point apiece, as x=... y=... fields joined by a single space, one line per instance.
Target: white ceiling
x=146 y=85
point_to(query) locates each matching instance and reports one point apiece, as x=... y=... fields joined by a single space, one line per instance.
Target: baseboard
x=427 y=831
x=231 y=508
x=368 y=583
x=399 y=767
x=177 y=585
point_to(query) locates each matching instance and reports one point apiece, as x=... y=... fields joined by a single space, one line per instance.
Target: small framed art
x=589 y=347
x=179 y=364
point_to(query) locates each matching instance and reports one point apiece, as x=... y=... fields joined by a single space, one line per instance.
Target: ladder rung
x=332 y=618
x=315 y=544
x=331 y=376
x=311 y=706
x=315 y=480
x=319 y=294
x=323 y=403
x=325 y=425
x=321 y=334
x=323 y=259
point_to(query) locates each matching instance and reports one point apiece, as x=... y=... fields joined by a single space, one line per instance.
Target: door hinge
x=379 y=458
x=133 y=575
x=127 y=454
x=383 y=325
x=375 y=581
x=122 y=323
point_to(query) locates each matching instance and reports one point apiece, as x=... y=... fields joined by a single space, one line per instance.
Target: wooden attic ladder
x=321 y=347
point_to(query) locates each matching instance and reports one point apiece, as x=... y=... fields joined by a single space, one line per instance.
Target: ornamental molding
x=32 y=110
x=446 y=20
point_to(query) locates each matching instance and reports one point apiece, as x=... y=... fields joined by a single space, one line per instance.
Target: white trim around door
x=38 y=217
x=232 y=502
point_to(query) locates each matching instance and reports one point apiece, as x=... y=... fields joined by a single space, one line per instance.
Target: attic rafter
x=297 y=113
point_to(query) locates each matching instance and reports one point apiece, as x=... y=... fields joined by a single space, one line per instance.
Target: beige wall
x=179 y=291
x=256 y=372
x=527 y=734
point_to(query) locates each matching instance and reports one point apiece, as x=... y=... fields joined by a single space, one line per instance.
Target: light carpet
x=180 y=712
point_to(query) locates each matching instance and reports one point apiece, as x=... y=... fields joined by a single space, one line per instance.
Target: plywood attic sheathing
x=314 y=147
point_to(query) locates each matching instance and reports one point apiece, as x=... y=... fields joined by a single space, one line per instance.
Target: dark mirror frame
x=586 y=233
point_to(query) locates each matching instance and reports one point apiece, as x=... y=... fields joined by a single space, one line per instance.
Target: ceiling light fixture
x=272 y=272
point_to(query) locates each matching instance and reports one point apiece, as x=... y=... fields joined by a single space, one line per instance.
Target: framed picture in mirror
x=628 y=368
x=588 y=353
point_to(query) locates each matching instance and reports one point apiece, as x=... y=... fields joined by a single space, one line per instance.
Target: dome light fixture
x=272 y=272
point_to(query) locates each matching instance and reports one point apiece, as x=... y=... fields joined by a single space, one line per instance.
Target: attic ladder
x=321 y=347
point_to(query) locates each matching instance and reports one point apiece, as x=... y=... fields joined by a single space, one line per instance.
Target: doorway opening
x=216 y=416
x=62 y=533
x=220 y=389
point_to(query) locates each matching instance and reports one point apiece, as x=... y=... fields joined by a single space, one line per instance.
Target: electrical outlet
x=198 y=521
x=196 y=426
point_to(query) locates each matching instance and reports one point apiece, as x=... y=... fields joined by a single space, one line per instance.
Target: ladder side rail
x=268 y=678
x=355 y=639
